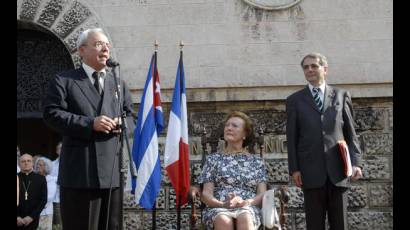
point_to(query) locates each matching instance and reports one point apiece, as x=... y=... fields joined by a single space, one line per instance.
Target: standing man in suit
x=317 y=117
x=82 y=105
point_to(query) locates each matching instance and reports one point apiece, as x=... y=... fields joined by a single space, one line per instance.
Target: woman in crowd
x=43 y=166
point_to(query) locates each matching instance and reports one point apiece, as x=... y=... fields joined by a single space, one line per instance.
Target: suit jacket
x=312 y=136
x=70 y=106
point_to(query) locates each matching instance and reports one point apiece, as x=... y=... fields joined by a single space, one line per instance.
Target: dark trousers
x=56 y=214
x=328 y=199
x=86 y=209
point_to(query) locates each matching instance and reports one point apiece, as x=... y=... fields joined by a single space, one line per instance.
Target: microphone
x=111 y=63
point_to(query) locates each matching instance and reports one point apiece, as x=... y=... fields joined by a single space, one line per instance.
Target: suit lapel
x=328 y=97
x=88 y=89
x=308 y=97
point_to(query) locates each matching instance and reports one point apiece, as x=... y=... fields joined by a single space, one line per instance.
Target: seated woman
x=233 y=180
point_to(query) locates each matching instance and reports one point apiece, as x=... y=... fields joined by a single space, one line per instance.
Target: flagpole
x=154 y=209
x=181 y=45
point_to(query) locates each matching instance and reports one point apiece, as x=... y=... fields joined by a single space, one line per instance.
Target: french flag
x=176 y=157
x=145 y=147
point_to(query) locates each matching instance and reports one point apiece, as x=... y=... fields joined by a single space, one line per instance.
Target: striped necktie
x=317 y=99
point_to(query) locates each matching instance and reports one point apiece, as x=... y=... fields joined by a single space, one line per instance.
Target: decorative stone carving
x=370 y=220
x=164 y=221
x=71 y=39
x=71 y=19
x=172 y=200
x=195 y=172
x=271 y=121
x=212 y=122
x=165 y=178
x=381 y=195
x=369 y=119
x=50 y=12
x=29 y=9
x=36 y=67
x=132 y=220
x=296 y=198
x=277 y=171
x=376 y=168
x=272 y=4
x=356 y=197
x=377 y=143
x=300 y=221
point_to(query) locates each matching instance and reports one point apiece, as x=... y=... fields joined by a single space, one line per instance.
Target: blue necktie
x=316 y=97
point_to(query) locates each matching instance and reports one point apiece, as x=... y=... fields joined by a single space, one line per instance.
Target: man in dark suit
x=32 y=194
x=83 y=106
x=317 y=117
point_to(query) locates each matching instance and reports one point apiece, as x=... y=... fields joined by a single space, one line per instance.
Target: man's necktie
x=96 y=77
x=316 y=97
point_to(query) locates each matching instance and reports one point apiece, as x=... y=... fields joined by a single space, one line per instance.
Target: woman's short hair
x=248 y=126
x=47 y=162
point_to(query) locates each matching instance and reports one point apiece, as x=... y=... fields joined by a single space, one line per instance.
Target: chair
x=281 y=192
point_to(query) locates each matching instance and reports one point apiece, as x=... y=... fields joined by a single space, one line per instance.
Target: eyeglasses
x=100 y=44
x=313 y=66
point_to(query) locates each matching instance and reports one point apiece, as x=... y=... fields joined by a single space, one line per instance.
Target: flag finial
x=156 y=44
x=181 y=44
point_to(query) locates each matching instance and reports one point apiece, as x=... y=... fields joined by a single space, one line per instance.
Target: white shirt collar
x=89 y=71
x=322 y=87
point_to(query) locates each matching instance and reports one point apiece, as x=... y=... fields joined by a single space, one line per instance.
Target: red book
x=344 y=153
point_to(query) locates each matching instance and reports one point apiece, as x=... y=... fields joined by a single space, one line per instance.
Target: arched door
x=40 y=55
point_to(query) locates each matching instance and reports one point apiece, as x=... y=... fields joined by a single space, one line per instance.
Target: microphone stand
x=123 y=135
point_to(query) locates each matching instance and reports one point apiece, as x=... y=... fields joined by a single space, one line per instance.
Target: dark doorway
x=40 y=55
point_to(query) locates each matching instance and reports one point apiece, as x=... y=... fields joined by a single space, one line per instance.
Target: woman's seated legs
x=223 y=222
x=244 y=222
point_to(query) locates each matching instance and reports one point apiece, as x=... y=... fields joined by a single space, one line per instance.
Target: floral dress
x=238 y=173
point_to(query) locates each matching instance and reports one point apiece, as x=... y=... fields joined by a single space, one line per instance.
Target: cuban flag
x=145 y=147
x=176 y=157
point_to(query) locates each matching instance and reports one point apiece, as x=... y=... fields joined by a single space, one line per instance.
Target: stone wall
x=370 y=200
x=238 y=57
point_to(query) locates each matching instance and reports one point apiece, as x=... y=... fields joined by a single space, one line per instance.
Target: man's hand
x=20 y=221
x=104 y=124
x=357 y=173
x=297 y=178
x=27 y=220
x=117 y=121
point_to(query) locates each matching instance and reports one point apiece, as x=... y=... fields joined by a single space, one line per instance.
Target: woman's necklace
x=26 y=189
x=235 y=152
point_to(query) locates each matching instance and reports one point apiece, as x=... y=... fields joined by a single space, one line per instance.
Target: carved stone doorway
x=40 y=55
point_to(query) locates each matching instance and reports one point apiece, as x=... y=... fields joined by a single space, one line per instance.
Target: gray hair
x=83 y=37
x=47 y=162
x=321 y=57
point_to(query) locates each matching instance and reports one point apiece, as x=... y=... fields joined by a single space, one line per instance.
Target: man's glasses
x=99 y=45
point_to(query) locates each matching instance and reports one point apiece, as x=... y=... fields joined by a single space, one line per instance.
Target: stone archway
x=47 y=32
